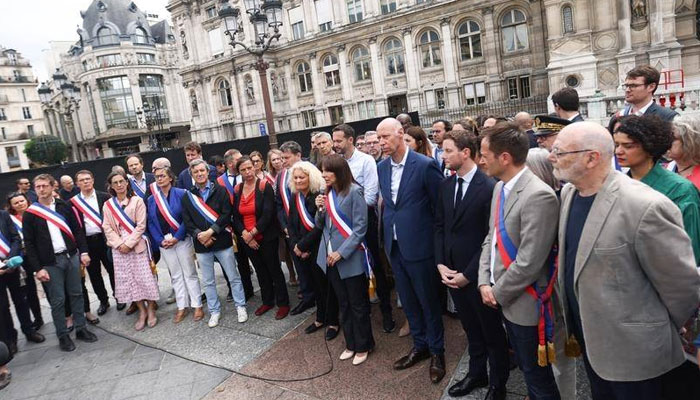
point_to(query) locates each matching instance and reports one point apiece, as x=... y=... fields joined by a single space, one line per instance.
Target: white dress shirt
x=574 y=116
x=396 y=173
x=233 y=179
x=90 y=227
x=59 y=245
x=639 y=112
x=506 y=191
x=364 y=170
x=467 y=178
x=141 y=183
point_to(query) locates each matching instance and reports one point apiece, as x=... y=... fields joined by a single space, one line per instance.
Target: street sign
x=263 y=131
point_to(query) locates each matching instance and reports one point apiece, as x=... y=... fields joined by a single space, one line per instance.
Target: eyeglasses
x=557 y=154
x=632 y=86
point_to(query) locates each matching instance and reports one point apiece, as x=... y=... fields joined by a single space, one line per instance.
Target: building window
x=4 y=134
x=324 y=14
x=140 y=36
x=440 y=98
x=24 y=95
x=430 y=49
x=117 y=102
x=336 y=113
x=567 y=17
x=109 y=60
x=12 y=156
x=388 y=6
x=3 y=116
x=475 y=93
x=365 y=109
x=309 y=117
x=93 y=111
x=12 y=57
x=225 y=94
x=106 y=37
x=216 y=43
x=519 y=87
x=26 y=113
x=298 y=30
x=331 y=71
x=469 y=40
x=30 y=130
x=393 y=54
x=514 y=28
x=211 y=13
x=325 y=27
x=145 y=58
x=304 y=77
x=153 y=94
x=361 y=61
x=85 y=66
x=354 y=10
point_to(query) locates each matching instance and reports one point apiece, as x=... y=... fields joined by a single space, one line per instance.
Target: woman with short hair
x=685 y=148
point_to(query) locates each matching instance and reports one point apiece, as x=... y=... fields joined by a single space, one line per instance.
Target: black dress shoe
x=496 y=393
x=65 y=343
x=466 y=386
x=331 y=333
x=388 y=323
x=437 y=367
x=413 y=358
x=301 y=307
x=13 y=348
x=85 y=335
x=312 y=328
x=102 y=309
x=35 y=337
x=93 y=321
x=37 y=324
x=121 y=306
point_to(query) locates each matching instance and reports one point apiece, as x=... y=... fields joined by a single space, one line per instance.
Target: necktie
x=458 y=198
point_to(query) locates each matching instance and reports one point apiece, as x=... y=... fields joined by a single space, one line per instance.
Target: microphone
x=12 y=262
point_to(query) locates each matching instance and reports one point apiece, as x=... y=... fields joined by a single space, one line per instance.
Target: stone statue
x=185 y=51
x=249 y=89
x=275 y=86
x=193 y=102
x=640 y=17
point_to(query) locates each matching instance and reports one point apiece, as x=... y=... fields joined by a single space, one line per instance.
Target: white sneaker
x=242 y=314
x=214 y=320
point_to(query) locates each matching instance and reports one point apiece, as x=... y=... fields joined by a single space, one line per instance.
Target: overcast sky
x=28 y=25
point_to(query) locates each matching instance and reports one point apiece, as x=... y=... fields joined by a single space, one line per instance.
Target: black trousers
x=485 y=335
x=326 y=300
x=266 y=261
x=354 y=309
x=601 y=389
x=383 y=288
x=33 y=298
x=98 y=252
x=243 y=265
x=11 y=281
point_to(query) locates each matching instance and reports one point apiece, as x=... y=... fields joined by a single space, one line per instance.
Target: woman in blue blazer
x=342 y=257
x=166 y=227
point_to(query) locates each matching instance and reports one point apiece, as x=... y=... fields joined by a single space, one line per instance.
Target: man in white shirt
x=640 y=85
x=364 y=171
x=138 y=179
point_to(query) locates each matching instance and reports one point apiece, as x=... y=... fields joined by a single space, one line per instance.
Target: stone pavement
x=191 y=361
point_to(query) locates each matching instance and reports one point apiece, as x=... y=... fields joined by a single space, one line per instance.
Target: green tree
x=46 y=150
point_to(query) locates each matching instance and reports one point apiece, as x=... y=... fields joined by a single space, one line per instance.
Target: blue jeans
x=228 y=264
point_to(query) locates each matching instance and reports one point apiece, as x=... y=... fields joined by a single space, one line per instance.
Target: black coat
x=9 y=231
x=664 y=113
x=458 y=236
x=298 y=235
x=218 y=200
x=265 y=205
x=37 y=240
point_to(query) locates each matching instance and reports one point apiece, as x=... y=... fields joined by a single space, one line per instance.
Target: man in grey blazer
x=627 y=278
x=530 y=209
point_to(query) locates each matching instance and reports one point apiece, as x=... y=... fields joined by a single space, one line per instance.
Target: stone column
x=310 y=20
x=623 y=25
x=449 y=65
x=412 y=78
x=345 y=78
x=315 y=81
x=377 y=77
x=490 y=47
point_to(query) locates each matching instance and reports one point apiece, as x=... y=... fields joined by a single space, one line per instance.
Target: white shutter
x=480 y=89
x=296 y=14
x=469 y=91
x=324 y=11
x=430 y=99
x=216 y=42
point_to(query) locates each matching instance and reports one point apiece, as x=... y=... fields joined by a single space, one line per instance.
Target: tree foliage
x=46 y=150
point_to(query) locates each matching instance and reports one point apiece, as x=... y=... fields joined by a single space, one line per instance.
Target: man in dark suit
x=193 y=151
x=138 y=179
x=461 y=224
x=53 y=238
x=407 y=182
x=25 y=186
x=566 y=104
x=68 y=188
x=640 y=84
x=88 y=207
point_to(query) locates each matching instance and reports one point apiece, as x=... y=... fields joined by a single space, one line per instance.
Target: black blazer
x=664 y=113
x=102 y=198
x=577 y=118
x=298 y=235
x=458 y=236
x=37 y=240
x=10 y=233
x=265 y=205
x=218 y=200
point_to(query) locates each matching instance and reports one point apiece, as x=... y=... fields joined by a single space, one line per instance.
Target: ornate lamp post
x=151 y=117
x=70 y=96
x=266 y=17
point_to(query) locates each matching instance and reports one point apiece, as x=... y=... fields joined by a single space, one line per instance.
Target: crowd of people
x=549 y=238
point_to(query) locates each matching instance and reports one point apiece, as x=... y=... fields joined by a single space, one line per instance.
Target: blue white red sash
x=164 y=207
x=270 y=179
x=4 y=247
x=137 y=189
x=508 y=252
x=88 y=212
x=304 y=215
x=285 y=194
x=204 y=210
x=223 y=181
x=344 y=225
x=18 y=224
x=125 y=222
x=52 y=217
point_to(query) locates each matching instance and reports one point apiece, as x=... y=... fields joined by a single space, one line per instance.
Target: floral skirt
x=133 y=277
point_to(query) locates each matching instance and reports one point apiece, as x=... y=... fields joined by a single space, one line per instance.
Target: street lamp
x=70 y=96
x=266 y=17
x=151 y=117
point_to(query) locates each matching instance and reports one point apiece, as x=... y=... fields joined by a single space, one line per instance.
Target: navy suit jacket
x=175 y=202
x=413 y=212
x=577 y=118
x=184 y=180
x=460 y=233
x=10 y=233
x=664 y=113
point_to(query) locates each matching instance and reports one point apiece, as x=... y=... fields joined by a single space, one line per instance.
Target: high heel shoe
x=359 y=358
x=346 y=355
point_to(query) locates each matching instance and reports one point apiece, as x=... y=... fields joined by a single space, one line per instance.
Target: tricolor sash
x=304 y=215
x=18 y=224
x=204 y=210
x=223 y=181
x=164 y=207
x=508 y=252
x=344 y=225
x=125 y=222
x=4 y=247
x=270 y=179
x=52 y=217
x=672 y=166
x=137 y=189
x=88 y=212
x=285 y=195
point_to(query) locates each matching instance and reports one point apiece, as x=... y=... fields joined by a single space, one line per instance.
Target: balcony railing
x=682 y=100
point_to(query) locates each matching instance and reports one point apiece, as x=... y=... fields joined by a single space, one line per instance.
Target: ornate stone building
x=125 y=66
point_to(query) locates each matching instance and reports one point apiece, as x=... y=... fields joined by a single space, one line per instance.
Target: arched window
x=514 y=29
x=361 y=60
x=430 y=49
x=225 y=93
x=140 y=36
x=105 y=36
x=567 y=18
x=304 y=76
x=331 y=71
x=469 y=34
x=393 y=54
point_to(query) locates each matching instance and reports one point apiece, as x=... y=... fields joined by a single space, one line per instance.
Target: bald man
x=621 y=244
x=68 y=188
x=407 y=182
x=160 y=163
x=405 y=120
x=525 y=122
